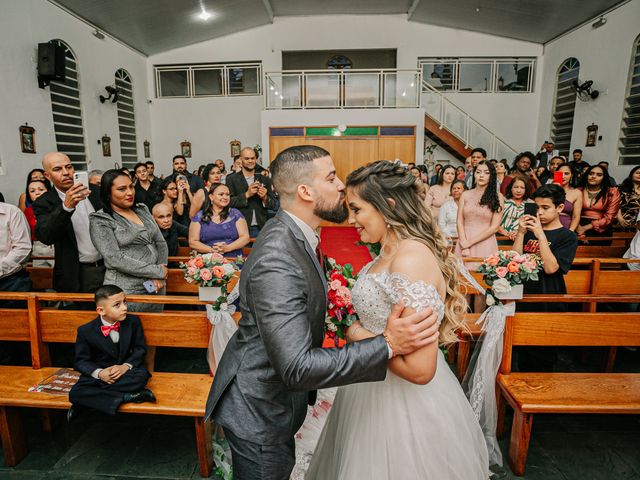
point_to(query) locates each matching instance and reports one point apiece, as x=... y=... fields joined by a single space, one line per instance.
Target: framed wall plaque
x=236 y=146
x=147 y=149
x=27 y=139
x=592 y=135
x=106 y=145
x=185 y=149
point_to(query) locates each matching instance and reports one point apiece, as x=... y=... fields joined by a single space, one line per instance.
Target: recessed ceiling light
x=204 y=15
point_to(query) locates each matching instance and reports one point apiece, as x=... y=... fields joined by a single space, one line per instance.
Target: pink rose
x=191 y=263
x=502 y=272
x=520 y=258
x=335 y=284
x=218 y=271
x=531 y=264
x=217 y=257
x=344 y=295
x=191 y=271
x=205 y=274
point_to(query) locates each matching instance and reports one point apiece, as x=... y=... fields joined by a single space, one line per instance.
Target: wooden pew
x=535 y=393
x=178 y=394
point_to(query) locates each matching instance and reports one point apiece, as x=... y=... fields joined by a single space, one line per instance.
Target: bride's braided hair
x=411 y=219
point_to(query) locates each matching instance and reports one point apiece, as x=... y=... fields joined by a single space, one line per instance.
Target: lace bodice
x=374 y=294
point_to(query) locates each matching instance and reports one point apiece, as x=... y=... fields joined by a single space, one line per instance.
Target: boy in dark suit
x=110 y=353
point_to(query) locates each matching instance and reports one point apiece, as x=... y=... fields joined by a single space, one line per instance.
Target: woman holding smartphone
x=128 y=238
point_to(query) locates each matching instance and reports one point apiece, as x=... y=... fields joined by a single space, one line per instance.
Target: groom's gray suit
x=273 y=364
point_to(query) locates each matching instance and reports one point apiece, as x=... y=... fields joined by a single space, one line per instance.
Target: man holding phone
x=251 y=192
x=62 y=219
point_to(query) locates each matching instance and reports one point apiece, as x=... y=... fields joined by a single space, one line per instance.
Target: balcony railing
x=310 y=89
x=462 y=125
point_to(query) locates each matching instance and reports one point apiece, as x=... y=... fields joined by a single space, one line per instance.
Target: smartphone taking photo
x=530 y=209
x=81 y=177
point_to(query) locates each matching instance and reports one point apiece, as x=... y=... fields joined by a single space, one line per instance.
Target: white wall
x=210 y=124
x=604 y=54
x=24 y=24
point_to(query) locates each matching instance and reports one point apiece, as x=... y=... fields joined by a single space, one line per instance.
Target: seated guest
x=556 y=245
x=448 y=214
x=605 y=165
x=110 y=356
x=460 y=173
x=95 y=176
x=15 y=248
x=236 y=165
x=35 y=188
x=217 y=228
x=517 y=195
x=553 y=167
x=223 y=169
x=180 y=170
x=163 y=215
x=129 y=240
x=177 y=199
x=543 y=175
x=24 y=201
x=630 y=198
x=600 y=204
x=62 y=220
x=522 y=164
x=578 y=163
x=439 y=193
x=251 y=192
x=146 y=191
x=211 y=175
x=501 y=171
x=570 y=215
x=634 y=247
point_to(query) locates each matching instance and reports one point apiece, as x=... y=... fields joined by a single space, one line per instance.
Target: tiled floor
x=563 y=447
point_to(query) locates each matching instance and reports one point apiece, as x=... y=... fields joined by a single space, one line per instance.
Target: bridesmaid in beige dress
x=438 y=194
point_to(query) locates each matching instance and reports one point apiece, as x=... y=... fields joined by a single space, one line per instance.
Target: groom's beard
x=336 y=214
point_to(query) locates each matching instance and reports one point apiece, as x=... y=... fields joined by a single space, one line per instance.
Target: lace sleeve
x=417 y=295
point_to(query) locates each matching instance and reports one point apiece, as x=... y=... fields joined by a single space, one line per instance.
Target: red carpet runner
x=340 y=244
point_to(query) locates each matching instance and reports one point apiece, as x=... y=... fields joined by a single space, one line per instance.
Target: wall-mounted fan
x=584 y=90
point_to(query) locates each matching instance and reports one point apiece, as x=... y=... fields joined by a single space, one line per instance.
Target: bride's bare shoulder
x=415 y=260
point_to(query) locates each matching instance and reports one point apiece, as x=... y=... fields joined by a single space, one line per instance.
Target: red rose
x=340 y=277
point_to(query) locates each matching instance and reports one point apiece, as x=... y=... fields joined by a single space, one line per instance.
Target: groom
x=274 y=363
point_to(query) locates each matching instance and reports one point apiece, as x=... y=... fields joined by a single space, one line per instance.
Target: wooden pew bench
x=572 y=393
x=178 y=394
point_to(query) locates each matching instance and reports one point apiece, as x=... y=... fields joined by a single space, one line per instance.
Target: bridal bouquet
x=211 y=271
x=506 y=270
x=340 y=311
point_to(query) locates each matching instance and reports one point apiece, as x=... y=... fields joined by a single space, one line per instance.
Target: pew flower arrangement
x=211 y=271
x=506 y=270
x=340 y=311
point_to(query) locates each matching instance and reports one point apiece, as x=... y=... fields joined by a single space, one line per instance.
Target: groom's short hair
x=293 y=167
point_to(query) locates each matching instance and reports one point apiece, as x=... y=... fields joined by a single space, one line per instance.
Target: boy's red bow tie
x=106 y=329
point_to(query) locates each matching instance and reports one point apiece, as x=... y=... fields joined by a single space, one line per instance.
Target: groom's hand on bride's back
x=408 y=334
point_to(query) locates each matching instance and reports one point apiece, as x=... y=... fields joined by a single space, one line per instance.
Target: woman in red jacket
x=600 y=204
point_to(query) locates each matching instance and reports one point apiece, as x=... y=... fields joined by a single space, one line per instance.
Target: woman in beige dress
x=440 y=193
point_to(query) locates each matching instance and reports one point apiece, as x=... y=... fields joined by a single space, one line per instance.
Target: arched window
x=564 y=105
x=629 y=146
x=126 y=119
x=67 y=112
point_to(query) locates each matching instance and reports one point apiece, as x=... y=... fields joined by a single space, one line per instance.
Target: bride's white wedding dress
x=396 y=429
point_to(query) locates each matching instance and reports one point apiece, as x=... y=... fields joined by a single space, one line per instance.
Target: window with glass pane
x=207 y=82
x=513 y=77
x=243 y=80
x=173 y=83
x=564 y=105
x=439 y=75
x=474 y=77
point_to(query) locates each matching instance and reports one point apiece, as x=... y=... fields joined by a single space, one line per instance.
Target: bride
x=417 y=424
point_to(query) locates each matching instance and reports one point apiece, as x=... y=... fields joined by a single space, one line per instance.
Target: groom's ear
x=305 y=193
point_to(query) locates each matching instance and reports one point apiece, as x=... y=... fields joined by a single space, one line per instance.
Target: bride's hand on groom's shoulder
x=413 y=332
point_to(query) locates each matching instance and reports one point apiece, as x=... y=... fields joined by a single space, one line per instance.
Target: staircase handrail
x=468 y=119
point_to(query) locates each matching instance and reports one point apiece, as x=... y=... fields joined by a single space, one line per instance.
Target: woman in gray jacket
x=129 y=240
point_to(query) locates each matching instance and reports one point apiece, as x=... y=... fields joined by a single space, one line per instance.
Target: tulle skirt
x=399 y=430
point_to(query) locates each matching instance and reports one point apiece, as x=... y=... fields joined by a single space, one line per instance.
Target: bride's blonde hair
x=410 y=218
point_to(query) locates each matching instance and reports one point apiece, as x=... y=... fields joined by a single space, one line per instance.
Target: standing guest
x=554 y=163
x=128 y=238
x=630 y=199
x=95 y=176
x=110 y=356
x=522 y=164
x=477 y=155
x=177 y=200
x=34 y=190
x=517 y=195
x=545 y=155
x=435 y=177
x=217 y=228
x=223 y=169
x=460 y=173
x=180 y=169
x=448 y=214
x=251 y=193
x=236 y=165
x=23 y=200
x=440 y=193
x=62 y=220
x=543 y=175
x=163 y=215
x=128 y=172
x=545 y=236
x=570 y=215
x=415 y=171
x=146 y=191
x=501 y=172
x=600 y=204
x=578 y=163
x=151 y=168
x=211 y=175
x=605 y=165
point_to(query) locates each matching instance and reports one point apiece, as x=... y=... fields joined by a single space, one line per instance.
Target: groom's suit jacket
x=273 y=364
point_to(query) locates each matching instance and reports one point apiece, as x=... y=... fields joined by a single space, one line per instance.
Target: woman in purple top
x=217 y=228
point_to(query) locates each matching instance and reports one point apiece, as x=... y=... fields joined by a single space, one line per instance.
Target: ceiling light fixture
x=204 y=15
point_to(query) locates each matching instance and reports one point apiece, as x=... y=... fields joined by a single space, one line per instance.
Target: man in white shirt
x=546 y=154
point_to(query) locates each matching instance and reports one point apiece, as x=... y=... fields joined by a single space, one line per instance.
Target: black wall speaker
x=51 y=63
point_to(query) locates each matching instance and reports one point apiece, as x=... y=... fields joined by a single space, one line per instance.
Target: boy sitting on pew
x=110 y=353
x=545 y=236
